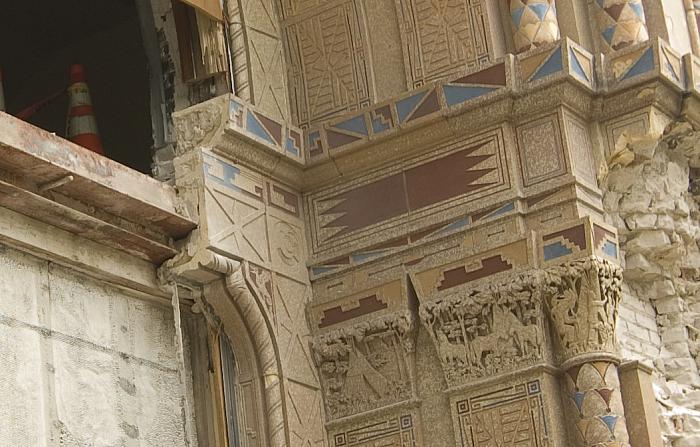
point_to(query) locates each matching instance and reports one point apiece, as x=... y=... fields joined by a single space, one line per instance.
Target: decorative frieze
x=365 y=366
x=487 y=331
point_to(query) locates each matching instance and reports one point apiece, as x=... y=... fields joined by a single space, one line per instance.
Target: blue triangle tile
x=555 y=250
x=454 y=226
x=638 y=9
x=356 y=124
x=321 y=270
x=253 y=126
x=553 y=65
x=540 y=9
x=504 y=209
x=576 y=66
x=578 y=399
x=601 y=3
x=610 y=249
x=610 y=420
x=405 y=106
x=643 y=65
x=608 y=34
x=361 y=257
x=455 y=94
x=291 y=146
x=517 y=15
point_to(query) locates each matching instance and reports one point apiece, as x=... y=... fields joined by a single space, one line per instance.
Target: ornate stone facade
x=410 y=225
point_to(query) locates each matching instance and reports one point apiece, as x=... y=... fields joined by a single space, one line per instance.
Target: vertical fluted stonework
x=534 y=22
x=582 y=299
x=621 y=23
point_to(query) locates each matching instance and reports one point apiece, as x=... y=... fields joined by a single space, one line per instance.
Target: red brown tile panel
x=445 y=178
x=458 y=276
x=365 y=306
x=369 y=204
x=575 y=235
x=495 y=75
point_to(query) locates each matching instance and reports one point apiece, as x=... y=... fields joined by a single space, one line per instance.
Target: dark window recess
x=228 y=372
x=40 y=40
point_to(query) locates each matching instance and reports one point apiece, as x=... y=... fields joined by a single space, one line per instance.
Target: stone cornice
x=509 y=90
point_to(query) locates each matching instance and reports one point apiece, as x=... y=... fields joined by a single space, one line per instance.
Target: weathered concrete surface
x=83 y=363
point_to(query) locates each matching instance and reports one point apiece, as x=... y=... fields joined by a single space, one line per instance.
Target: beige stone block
x=641 y=412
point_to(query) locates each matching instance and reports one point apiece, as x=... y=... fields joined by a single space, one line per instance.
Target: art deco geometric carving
x=364 y=366
x=582 y=298
x=509 y=416
x=328 y=70
x=487 y=331
x=442 y=37
x=463 y=170
x=392 y=432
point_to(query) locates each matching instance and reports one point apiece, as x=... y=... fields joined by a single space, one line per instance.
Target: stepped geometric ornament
x=534 y=22
x=621 y=23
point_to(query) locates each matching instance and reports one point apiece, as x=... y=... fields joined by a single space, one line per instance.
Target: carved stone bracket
x=491 y=330
x=582 y=299
x=364 y=366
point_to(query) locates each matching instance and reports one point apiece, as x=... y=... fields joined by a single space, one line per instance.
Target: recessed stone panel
x=540 y=150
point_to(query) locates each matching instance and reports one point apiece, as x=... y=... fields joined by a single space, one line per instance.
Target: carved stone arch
x=246 y=325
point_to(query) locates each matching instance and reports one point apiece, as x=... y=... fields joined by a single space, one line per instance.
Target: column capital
x=582 y=299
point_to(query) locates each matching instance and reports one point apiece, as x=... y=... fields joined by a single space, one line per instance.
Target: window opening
x=228 y=372
x=47 y=37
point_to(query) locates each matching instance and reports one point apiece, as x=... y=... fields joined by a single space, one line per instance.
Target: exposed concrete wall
x=83 y=362
x=657 y=218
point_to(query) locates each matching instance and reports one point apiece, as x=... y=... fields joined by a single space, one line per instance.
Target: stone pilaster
x=620 y=23
x=534 y=22
x=582 y=298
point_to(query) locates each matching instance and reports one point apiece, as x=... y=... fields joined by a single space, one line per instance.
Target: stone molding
x=261 y=335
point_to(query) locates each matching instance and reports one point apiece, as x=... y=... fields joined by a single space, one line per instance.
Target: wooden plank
x=210 y=7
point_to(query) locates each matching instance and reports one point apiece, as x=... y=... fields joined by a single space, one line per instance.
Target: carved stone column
x=621 y=23
x=582 y=298
x=534 y=22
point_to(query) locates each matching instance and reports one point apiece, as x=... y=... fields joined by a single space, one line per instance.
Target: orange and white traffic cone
x=2 y=94
x=82 y=126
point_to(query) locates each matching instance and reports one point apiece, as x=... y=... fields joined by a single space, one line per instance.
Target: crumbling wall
x=647 y=198
x=82 y=362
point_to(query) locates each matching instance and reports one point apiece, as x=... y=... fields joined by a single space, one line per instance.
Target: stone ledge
x=55 y=181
